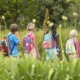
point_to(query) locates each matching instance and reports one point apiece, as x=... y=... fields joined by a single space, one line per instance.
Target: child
x=55 y=36
x=72 y=45
x=76 y=42
x=50 y=43
x=13 y=39
x=32 y=48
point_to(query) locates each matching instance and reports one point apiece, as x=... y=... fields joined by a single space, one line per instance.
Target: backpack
x=5 y=47
x=70 y=47
x=27 y=44
x=48 y=41
x=77 y=46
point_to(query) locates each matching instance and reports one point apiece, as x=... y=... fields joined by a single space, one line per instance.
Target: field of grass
x=23 y=68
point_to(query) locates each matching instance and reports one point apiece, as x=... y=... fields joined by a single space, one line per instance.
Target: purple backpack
x=27 y=42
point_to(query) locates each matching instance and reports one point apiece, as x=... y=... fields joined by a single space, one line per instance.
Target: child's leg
x=47 y=54
x=51 y=53
x=33 y=53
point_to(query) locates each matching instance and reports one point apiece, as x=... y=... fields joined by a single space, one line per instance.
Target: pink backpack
x=27 y=44
x=48 y=41
x=77 y=46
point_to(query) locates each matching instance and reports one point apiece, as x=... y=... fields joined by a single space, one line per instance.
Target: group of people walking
x=50 y=43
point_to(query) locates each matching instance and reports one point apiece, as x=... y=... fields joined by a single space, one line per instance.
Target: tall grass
x=39 y=35
x=22 y=68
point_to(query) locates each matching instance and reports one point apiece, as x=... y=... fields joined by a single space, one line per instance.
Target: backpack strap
x=7 y=43
x=29 y=34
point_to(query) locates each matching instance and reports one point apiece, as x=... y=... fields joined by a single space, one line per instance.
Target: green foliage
x=16 y=10
x=26 y=68
x=23 y=11
x=22 y=68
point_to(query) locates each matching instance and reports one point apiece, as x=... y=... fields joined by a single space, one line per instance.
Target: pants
x=51 y=53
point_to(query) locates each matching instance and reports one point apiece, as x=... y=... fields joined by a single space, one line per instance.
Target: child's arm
x=16 y=39
x=17 y=35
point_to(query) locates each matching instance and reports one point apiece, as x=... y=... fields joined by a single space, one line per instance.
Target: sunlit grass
x=23 y=68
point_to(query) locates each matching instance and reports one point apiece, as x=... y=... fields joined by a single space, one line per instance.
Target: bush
x=23 y=11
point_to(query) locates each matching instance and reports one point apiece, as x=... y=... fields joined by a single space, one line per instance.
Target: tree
x=23 y=11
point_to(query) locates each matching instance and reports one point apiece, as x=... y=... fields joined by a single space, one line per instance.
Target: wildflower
x=75 y=14
x=64 y=18
x=3 y=17
x=60 y=26
x=48 y=22
x=34 y=20
x=51 y=24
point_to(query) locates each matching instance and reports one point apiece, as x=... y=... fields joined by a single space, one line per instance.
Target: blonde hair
x=73 y=33
x=30 y=26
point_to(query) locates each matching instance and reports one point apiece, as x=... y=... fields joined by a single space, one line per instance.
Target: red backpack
x=4 y=46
